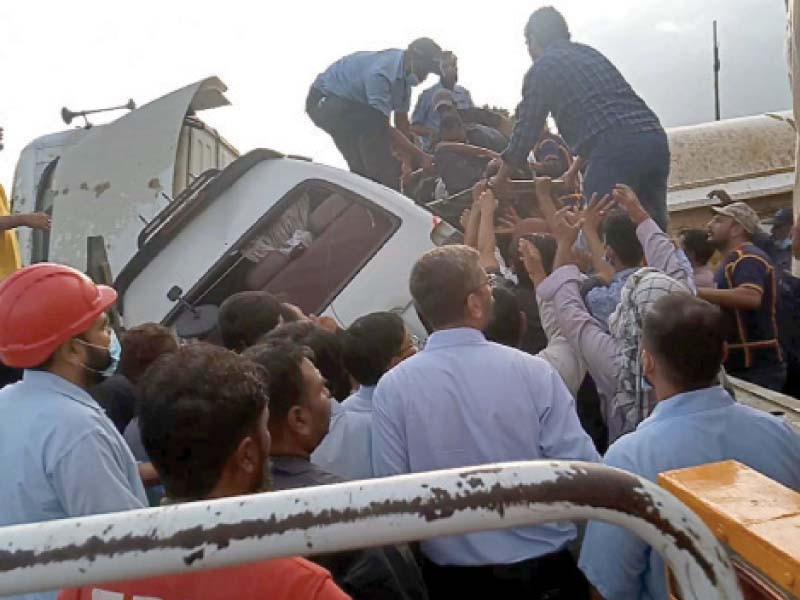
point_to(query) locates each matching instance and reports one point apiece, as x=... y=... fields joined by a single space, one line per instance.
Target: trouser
x=360 y=132
x=638 y=159
x=550 y=577
x=771 y=376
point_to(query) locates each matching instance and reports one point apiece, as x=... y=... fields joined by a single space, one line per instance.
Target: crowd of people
x=584 y=333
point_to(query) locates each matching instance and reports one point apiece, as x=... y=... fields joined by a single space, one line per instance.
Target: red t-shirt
x=281 y=579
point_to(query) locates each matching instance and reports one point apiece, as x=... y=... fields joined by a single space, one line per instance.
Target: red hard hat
x=44 y=305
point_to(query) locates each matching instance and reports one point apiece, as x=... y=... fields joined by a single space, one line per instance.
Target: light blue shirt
x=683 y=431
x=464 y=401
x=603 y=300
x=374 y=78
x=60 y=456
x=346 y=450
x=424 y=113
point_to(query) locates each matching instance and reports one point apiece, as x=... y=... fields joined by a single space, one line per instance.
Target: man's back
x=588 y=95
x=464 y=401
x=686 y=430
x=281 y=579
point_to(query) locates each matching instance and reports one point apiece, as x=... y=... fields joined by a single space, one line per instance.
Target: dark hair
x=143 y=344
x=327 y=353
x=370 y=343
x=687 y=335
x=426 y=51
x=245 y=317
x=198 y=403
x=620 y=234
x=547 y=25
x=442 y=279
x=696 y=245
x=450 y=120
x=282 y=359
x=505 y=325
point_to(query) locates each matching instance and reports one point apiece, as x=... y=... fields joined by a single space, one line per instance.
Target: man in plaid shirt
x=612 y=131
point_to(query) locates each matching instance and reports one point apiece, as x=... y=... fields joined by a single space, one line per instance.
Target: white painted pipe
x=228 y=531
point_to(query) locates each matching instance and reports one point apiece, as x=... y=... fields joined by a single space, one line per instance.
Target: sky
x=91 y=54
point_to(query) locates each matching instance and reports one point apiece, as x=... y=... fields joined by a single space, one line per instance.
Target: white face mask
x=114 y=352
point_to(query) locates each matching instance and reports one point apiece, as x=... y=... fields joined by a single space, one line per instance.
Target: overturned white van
x=161 y=205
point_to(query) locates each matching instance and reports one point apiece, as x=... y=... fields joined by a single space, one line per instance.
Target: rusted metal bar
x=309 y=521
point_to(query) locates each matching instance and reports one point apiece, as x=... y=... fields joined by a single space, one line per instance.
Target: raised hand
x=532 y=260
x=595 y=211
x=567 y=226
x=625 y=197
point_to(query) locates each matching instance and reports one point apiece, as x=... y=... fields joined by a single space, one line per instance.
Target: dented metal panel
x=113 y=179
x=310 y=521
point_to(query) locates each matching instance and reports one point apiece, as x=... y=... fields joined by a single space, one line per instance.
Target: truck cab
x=178 y=220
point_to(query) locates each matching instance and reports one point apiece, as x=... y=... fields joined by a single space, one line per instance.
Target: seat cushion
x=262 y=272
x=322 y=216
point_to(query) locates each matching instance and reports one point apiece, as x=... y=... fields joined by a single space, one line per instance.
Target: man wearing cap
x=746 y=290
x=425 y=119
x=60 y=456
x=354 y=98
x=781 y=235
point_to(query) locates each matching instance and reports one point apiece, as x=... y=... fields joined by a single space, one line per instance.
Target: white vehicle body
x=131 y=184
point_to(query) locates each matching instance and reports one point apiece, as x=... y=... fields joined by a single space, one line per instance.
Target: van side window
x=319 y=239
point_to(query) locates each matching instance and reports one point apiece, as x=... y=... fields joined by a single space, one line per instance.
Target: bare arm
x=404 y=145
x=468 y=149
x=33 y=220
x=738 y=298
x=487 y=243
x=473 y=220
x=149 y=475
x=592 y=218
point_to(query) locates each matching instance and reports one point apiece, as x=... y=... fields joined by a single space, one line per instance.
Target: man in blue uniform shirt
x=464 y=401
x=694 y=422
x=60 y=456
x=426 y=118
x=353 y=101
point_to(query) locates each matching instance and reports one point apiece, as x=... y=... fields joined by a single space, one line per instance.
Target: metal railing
x=303 y=522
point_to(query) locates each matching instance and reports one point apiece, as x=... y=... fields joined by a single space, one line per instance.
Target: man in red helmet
x=60 y=456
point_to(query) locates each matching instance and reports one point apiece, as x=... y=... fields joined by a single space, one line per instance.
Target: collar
x=361 y=399
x=458 y=336
x=293 y=465
x=49 y=382
x=689 y=403
x=625 y=273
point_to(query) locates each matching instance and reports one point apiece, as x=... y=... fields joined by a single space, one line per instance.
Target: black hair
x=143 y=344
x=687 y=335
x=282 y=360
x=327 y=353
x=197 y=405
x=547 y=26
x=620 y=235
x=450 y=120
x=245 y=317
x=505 y=325
x=696 y=245
x=370 y=343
